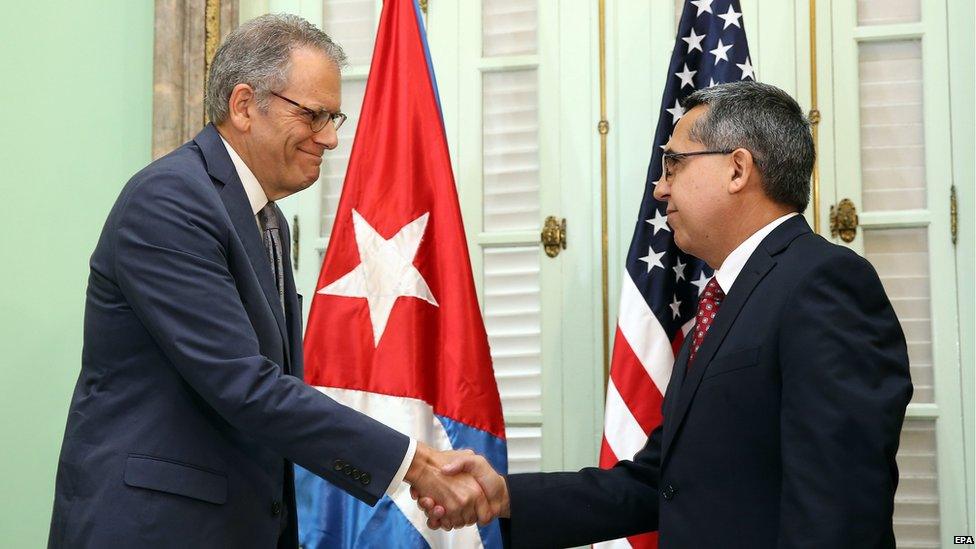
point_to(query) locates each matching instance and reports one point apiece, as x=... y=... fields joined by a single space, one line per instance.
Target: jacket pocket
x=731 y=362
x=175 y=477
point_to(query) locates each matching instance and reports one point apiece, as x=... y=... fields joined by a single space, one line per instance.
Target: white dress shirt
x=258 y=199
x=733 y=264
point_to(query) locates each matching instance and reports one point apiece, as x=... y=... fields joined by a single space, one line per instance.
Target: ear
x=743 y=168
x=242 y=104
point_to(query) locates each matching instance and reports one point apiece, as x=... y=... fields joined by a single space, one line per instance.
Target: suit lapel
x=221 y=168
x=293 y=308
x=755 y=269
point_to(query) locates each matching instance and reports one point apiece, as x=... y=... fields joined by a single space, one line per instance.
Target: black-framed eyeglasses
x=317 y=119
x=669 y=160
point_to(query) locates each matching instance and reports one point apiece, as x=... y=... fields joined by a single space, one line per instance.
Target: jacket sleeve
x=845 y=387
x=590 y=505
x=171 y=247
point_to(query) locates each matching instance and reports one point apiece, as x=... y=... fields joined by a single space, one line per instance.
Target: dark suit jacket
x=782 y=434
x=190 y=407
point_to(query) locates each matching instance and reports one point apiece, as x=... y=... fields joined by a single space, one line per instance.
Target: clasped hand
x=456 y=488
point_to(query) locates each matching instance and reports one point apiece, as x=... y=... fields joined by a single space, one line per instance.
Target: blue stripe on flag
x=329 y=517
x=464 y=436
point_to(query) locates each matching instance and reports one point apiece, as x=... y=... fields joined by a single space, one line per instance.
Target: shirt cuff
x=402 y=471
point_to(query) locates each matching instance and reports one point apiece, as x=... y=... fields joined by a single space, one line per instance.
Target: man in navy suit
x=190 y=407
x=786 y=402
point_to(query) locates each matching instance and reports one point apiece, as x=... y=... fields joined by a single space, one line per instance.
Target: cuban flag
x=395 y=330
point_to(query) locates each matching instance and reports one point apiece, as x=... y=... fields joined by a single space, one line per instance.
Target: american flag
x=659 y=294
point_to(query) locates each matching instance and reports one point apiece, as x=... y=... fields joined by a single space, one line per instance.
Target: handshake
x=456 y=488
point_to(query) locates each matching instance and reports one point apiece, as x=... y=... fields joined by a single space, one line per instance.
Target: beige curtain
x=187 y=35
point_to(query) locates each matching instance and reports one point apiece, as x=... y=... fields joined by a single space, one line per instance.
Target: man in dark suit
x=190 y=406
x=786 y=402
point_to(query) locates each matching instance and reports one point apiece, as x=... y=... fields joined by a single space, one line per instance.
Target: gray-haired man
x=190 y=408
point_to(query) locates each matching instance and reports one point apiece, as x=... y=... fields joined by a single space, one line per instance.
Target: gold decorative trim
x=211 y=41
x=603 y=127
x=844 y=221
x=814 y=115
x=553 y=235
x=423 y=6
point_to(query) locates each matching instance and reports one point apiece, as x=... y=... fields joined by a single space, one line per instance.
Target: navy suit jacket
x=190 y=407
x=782 y=433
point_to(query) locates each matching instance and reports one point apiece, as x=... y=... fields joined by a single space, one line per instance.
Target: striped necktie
x=268 y=216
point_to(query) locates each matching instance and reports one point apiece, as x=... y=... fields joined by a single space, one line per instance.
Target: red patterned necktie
x=708 y=306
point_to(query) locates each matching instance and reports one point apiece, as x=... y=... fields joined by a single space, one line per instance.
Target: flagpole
x=604 y=128
x=814 y=115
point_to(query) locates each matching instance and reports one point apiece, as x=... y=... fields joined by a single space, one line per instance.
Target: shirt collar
x=733 y=264
x=253 y=189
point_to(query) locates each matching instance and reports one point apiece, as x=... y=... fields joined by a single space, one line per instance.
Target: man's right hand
x=460 y=498
x=492 y=484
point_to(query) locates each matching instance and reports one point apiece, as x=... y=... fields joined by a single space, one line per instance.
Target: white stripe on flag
x=645 y=334
x=623 y=433
x=621 y=543
x=414 y=418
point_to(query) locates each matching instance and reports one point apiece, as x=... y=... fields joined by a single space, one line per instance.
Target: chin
x=306 y=179
x=681 y=243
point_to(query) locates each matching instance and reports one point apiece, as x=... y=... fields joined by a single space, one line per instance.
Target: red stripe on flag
x=607 y=458
x=644 y=541
x=635 y=386
x=679 y=338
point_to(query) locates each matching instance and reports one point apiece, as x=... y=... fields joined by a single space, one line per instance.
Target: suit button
x=337 y=464
x=356 y=475
x=347 y=469
x=365 y=479
x=275 y=508
x=669 y=492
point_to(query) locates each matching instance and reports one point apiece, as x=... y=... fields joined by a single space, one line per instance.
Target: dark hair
x=770 y=124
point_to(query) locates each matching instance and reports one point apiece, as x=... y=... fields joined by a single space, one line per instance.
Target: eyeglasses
x=670 y=160
x=317 y=119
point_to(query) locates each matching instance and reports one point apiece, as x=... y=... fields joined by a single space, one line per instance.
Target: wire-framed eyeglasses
x=670 y=160
x=317 y=119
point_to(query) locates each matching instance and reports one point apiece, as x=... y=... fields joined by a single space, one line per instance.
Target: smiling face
x=282 y=150
x=698 y=197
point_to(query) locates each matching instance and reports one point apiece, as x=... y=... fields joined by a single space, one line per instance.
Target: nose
x=662 y=190
x=327 y=137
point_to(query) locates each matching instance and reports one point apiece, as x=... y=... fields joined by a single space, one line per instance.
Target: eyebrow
x=311 y=105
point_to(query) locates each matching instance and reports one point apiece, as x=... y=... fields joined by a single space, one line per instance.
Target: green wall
x=75 y=124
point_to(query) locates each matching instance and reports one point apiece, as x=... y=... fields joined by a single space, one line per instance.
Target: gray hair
x=258 y=53
x=770 y=124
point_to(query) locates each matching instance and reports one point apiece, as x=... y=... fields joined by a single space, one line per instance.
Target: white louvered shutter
x=891 y=164
x=510 y=178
